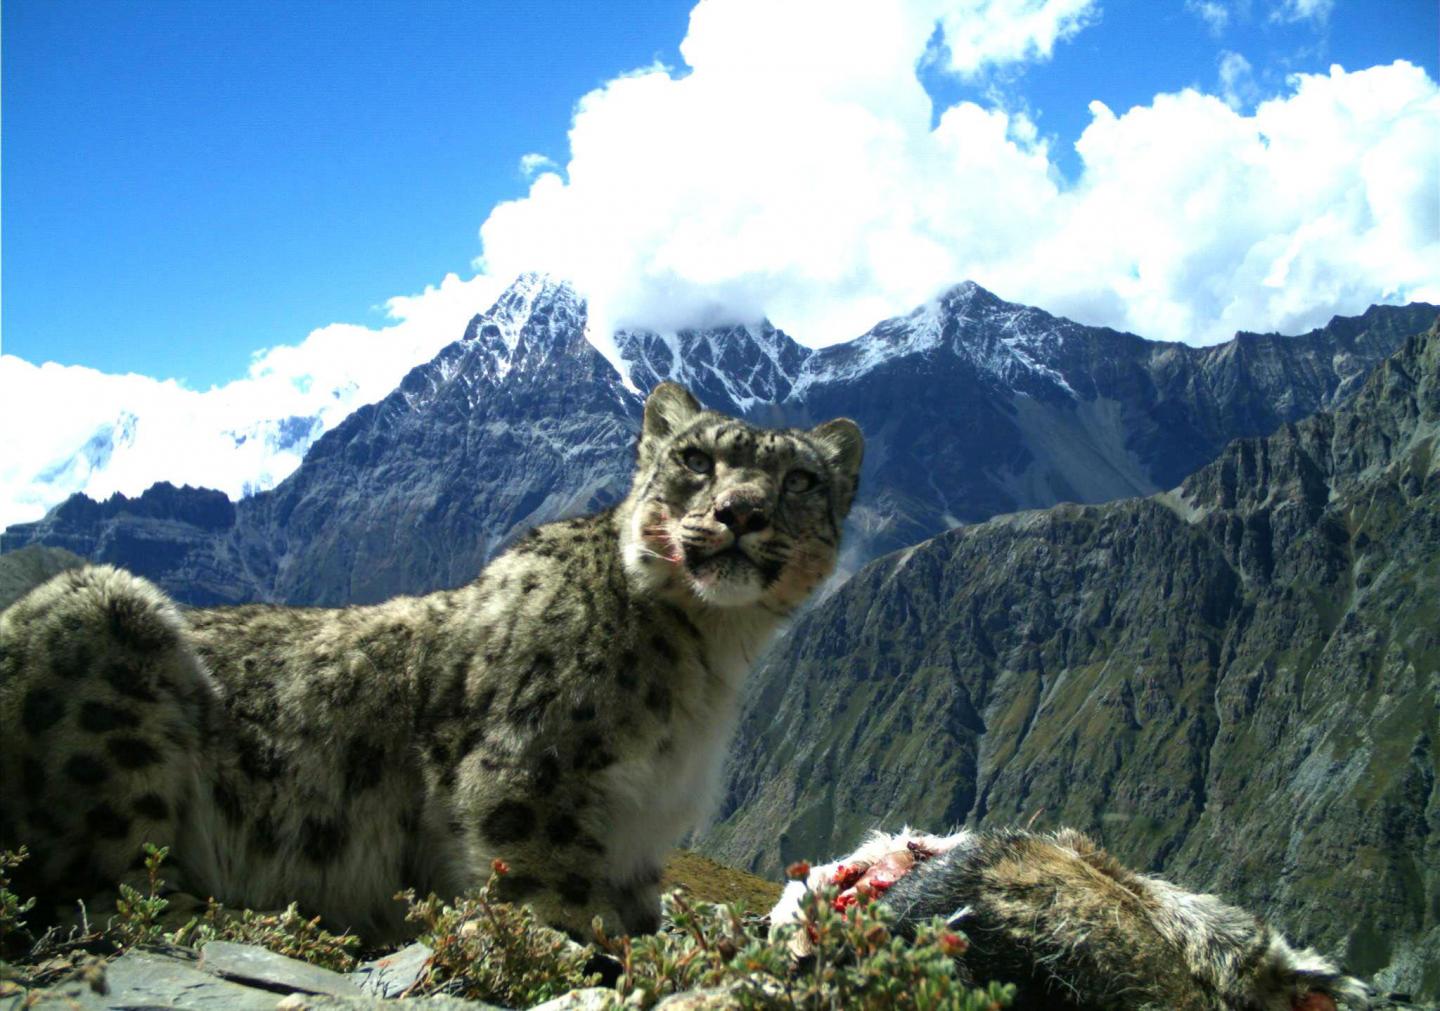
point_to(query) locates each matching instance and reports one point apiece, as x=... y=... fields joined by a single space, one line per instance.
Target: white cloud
x=1237 y=80
x=1192 y=221
x=1213 y=12
x=1317 y=11
x=102 y=433
x=982 y=33
x=798 y=171
x=533 y=164
x=794 y=172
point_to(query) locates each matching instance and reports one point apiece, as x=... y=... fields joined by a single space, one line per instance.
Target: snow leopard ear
x=669 y=408
x=843 y=447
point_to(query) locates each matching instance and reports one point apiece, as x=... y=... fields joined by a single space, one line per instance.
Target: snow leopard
x=1072 y=926
x=565 y=713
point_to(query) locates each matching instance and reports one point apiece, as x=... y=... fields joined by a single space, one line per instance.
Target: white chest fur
x=659 y=795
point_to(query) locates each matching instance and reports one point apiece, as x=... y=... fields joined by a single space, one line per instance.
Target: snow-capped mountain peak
x=507 y=318
x=533 y=324
x=735 y=368
x=533 y=314
x=970 y=405
x=1015 y=345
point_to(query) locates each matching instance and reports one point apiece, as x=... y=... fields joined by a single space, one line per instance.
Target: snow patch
x=1009 y=342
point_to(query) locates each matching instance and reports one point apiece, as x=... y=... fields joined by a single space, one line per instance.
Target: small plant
x=857 y=961
x=12 y=907
x=140 y=920
x=490 y=950
x=707 y=946
x=285 y=933
x=52 y=957
x=137 y=919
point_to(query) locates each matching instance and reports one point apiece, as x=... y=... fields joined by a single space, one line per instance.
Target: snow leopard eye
x=799 y=481
x=697 y=461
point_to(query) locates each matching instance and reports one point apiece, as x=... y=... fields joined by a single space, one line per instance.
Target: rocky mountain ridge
x=1236 y=684
x=972 y=406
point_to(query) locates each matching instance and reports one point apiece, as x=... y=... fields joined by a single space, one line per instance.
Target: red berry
x=953 y=944
x=845 y=900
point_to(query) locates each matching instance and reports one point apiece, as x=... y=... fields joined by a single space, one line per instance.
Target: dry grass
x=707 y=881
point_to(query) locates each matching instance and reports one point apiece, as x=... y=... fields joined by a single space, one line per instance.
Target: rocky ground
x=85 y=971
x=248 y=978
x=244 y=977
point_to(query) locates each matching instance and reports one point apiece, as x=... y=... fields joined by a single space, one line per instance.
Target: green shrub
x=857 y=961
x=141 y=919
x=489 y=950
x=286 y=933
x=12 y=907
x=28 y=962
x=137 y=916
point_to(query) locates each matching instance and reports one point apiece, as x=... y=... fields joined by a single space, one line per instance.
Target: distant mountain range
x=1228 y=670
x=1236 y=683
x=972 y=406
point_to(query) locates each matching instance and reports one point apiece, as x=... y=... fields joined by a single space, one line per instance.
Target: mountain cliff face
x=1236 y=683
x=178 y=536
x=417 y=491
x=972 y=406
x=21 y=571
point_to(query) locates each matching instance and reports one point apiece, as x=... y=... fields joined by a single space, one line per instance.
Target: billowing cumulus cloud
x=979 y=34
x=797 y=169
x=792 y=172
x=100 y=433
x=1192 y=221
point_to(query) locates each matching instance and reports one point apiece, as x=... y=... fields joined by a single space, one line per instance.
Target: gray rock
x=591 y=998
x=700 y=1000
x=395 y=973
x=324 y=1002
x=141 y=980
x=259 y=967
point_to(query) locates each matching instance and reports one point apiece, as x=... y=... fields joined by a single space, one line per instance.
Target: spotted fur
x=566 y=712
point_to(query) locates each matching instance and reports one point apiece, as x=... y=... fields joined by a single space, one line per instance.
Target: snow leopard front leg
x=548 y=855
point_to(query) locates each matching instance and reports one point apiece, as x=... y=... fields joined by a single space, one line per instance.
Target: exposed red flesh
x=859 y=881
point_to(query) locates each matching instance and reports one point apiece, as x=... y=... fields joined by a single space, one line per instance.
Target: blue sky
x=1137 y=48
x=186 y=183
x=218 y=217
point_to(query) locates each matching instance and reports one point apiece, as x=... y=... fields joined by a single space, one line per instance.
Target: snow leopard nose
x=742 y=513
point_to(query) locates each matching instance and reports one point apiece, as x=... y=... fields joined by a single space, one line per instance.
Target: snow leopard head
x=735 y=515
